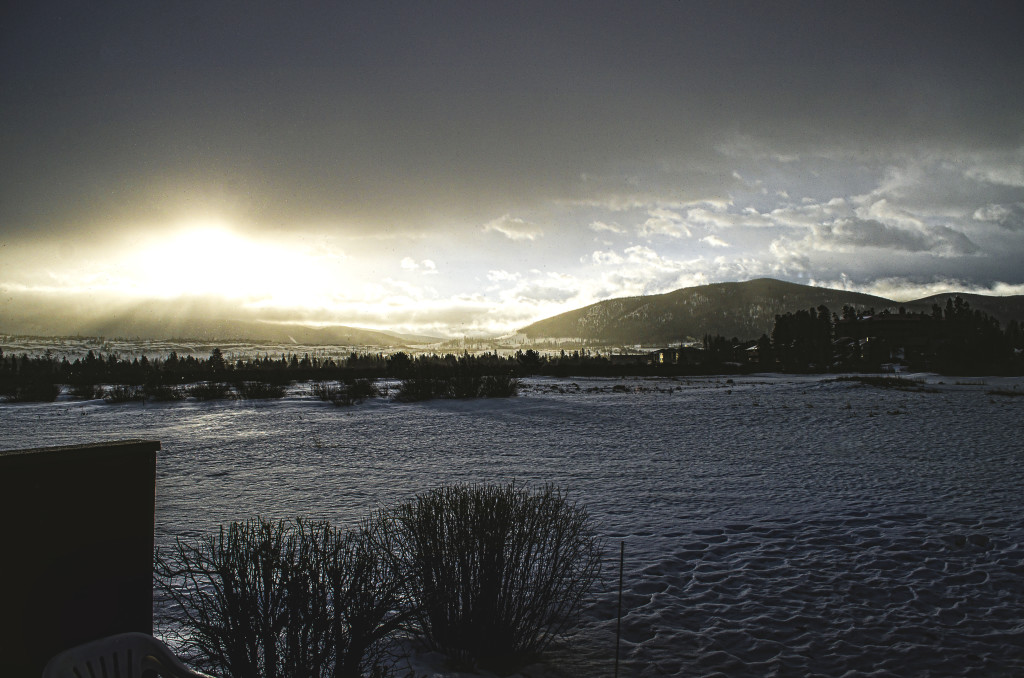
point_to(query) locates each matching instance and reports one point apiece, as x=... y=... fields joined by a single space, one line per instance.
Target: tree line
x=39 y=378
x=952 y=339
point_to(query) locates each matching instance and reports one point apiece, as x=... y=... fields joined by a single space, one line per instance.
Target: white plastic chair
x=125 y=655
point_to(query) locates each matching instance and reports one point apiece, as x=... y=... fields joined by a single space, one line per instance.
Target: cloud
x=503 y=276
x=664 y=222
x=789 y=257
x=845 y=235
x=601 y=226
x=810 y=213
x=540 y=292
x=721 y=214
x=885 y=212
x=606 y=257
x=424 y=266
x=1010 y=217
x=642 y=270
x=904 y=289
x=513 y=228
x=1005 y=175
x=714 y=241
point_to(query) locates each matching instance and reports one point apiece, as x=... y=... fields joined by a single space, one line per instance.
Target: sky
x=466 y=168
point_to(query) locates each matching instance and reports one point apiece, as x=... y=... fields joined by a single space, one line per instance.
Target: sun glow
x=213 y=260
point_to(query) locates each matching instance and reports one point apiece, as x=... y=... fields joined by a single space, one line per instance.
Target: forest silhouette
x=950 y=340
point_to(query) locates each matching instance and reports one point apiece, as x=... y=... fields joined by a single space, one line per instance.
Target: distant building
x=889 y=337
x=683 y=355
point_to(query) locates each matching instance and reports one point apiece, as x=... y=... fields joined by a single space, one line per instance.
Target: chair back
x=125 y=655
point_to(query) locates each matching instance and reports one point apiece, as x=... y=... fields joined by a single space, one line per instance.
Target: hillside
x=1004 y=309
x=745 y=310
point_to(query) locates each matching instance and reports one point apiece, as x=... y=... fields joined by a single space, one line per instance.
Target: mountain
x=745 y=310
x=1003 y=309
x=248 y=330
x=167 y=320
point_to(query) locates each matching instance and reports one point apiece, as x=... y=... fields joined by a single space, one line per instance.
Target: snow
x=774 y=525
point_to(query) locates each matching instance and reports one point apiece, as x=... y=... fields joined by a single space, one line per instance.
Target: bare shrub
x=499 y=386
x=356 y=392
x=87 y=391
x=346 y=394
x=34 y=392
x=258 y=390
x=897 y=382
x=1008 y=392
x=210 y=390
x=282 y=600
x=494 y=573
x=465 y=383
x=460 y=382
x=417 y=388
x=124 y=394
x=164 y=393
x=324 y=390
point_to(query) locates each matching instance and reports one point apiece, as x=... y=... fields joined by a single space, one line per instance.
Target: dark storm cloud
x=854 y=233
x=1010 y=217
x=414 y=115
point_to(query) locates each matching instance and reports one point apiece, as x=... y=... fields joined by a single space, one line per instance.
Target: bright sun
x=211 y=260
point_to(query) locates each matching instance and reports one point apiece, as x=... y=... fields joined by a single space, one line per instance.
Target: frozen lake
x=774 y=525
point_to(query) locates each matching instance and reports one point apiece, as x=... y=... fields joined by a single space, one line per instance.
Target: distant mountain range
x=745 y=310
x=251 y=330
x=162 y=321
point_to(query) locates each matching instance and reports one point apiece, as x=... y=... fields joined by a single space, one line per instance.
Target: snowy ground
x=774 y=525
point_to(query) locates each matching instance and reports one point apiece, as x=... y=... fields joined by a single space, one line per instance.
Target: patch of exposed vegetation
x=1007 y=392
x=210 y=390
x=124 y=394
x=87 y=391
x=258 y=390
x=164 y=393
x=897 y=383
x=344 y=394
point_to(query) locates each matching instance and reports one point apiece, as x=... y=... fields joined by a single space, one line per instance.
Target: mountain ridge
x=733 y=309
x=159 y=322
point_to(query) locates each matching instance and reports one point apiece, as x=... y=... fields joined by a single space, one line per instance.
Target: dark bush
x=499 y=386
x=161 y=393
x=465 y=383
x=281 y=600
x=363 y=388
x=257 y=390
x=349 y=393
x=210 y=390
x=87 y=391
x=417 y=388
x=356 y=392
x=324 y=390
x=124 y=394
x=494 y=573
x=35 y=392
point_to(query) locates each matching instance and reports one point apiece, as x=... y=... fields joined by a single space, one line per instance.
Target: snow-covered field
x=774 y=525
